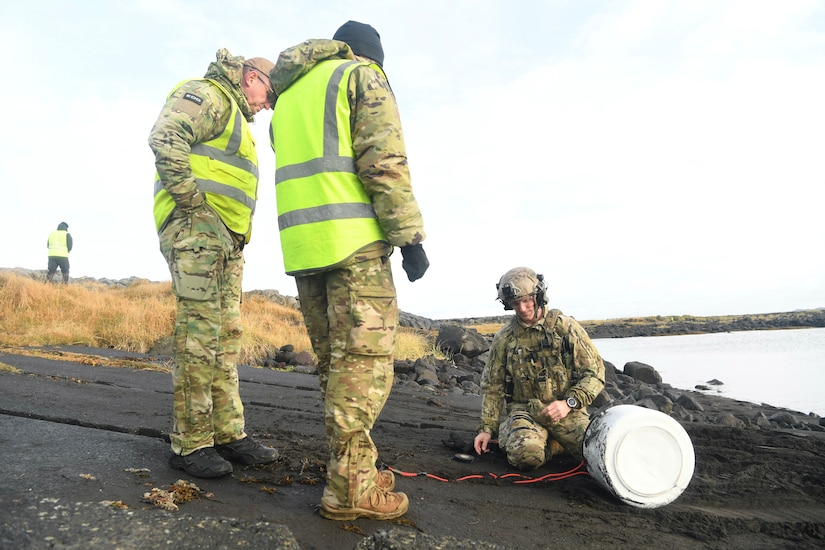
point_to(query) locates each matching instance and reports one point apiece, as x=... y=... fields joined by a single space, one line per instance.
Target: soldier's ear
x=247 y=78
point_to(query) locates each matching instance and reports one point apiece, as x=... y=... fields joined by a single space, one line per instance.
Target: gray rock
x=642 y=372
x=412 y=540
x=689 y=403
x=426 y=376
x=303 y=358
x=727 y=419
x=414 y=321
x=784 y=418
x=663 y=403
x=453 y=339
x=761 y=421
x=644 y=392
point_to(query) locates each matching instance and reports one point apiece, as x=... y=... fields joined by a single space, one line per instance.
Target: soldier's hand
x=556 y=410
x=198 y=201
x=415 y=261
x=482 y=442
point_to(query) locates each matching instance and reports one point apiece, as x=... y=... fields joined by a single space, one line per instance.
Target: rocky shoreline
x=659 y=325
x=757 y=483
x=99 y=433
x=636 y=383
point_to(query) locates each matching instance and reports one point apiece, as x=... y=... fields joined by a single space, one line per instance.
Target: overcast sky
x=648 y=157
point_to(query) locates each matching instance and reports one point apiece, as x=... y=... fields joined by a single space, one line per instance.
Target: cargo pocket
x=374 y=316
x=194 y=274
x=562 y=381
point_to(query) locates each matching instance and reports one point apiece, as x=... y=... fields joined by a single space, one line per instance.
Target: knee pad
x=526 y=449
x=527 y=457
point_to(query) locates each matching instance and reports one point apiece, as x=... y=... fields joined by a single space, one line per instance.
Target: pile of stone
x=636 y=384
x=466 y=354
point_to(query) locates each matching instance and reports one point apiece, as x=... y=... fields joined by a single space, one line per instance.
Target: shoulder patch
x=193 y=98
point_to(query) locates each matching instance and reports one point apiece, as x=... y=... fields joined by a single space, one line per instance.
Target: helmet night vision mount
x=520 y=282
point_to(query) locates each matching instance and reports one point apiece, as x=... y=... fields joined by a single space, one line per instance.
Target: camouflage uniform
x=529 y=367
x=206 y=264
x=350 y=309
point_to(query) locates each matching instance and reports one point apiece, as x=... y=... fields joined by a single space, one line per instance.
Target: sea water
x=783 y=368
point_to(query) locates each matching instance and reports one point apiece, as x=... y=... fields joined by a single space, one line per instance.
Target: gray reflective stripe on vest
x=325 y=213
x=217 y=188
x=315 y=166
x=331 y=111
x=229 y=156
x=330 y=162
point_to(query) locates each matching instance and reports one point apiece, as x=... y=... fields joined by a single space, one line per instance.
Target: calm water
x=783 y=368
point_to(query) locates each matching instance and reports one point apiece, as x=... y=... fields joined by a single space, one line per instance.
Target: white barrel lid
x=645 y=456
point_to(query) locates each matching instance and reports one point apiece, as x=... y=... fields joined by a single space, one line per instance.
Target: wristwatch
x=572 y=402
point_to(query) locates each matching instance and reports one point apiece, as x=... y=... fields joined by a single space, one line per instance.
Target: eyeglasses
x=270 y=92
x=267 y=85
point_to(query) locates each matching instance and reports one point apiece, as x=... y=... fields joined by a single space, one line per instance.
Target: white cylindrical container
x=642 y=456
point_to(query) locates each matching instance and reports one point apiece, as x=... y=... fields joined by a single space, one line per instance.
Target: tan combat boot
x=376 y=504
x=385 y=479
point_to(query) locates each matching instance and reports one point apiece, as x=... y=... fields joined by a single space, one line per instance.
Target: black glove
x=459 y=443
x=415 y=261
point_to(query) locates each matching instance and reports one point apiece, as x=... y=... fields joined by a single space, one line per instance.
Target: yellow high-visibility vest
x=58 y=243
x=324 y=212
x=225 y=169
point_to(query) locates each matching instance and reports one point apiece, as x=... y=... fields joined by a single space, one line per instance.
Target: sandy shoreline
x=753 y=487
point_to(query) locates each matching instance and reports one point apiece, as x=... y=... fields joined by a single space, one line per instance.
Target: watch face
x=572 y=402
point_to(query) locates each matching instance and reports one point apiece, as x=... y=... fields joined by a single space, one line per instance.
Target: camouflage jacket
x=531 y=366
x=196 y=111
x=377 y=138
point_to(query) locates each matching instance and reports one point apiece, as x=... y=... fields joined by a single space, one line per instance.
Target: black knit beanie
x=362 y=39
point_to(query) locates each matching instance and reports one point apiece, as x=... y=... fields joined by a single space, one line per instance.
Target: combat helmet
x=520 y=282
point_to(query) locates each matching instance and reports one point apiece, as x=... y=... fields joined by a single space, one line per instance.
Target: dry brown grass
x=487 y=329
x=413 y=344
x=34 y=313
x=267 y=327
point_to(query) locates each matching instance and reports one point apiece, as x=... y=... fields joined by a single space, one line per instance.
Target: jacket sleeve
x=195 y=112
x=492 y=386
x=588 y=366
x=69 y=242
x=381 y=157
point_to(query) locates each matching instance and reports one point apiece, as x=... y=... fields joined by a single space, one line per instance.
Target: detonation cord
x=577 y=471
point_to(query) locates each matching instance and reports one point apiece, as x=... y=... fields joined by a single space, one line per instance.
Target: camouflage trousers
x=351 y=315
x=206 y=263
x=526 y=440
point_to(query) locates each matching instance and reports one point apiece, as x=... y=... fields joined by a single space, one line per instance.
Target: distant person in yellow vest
x=60 y=244
x=206 y=187
x=344 y=201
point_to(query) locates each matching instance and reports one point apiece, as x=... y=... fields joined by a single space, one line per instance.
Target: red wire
x=577 y=471
x=475 y=476
x=552 y=477
x=438 y=478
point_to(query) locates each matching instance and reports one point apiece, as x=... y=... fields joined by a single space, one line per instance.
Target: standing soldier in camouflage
x=206 y=186
x=344 y=201
x=543 y=371
x=59 y=244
